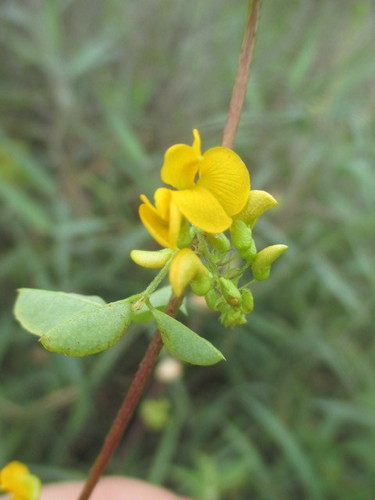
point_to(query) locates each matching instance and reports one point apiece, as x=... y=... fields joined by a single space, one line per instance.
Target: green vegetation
x=91 y=95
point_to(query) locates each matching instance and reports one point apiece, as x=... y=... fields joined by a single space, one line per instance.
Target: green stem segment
x=146 y=366
x=128 y=406
x=242 y=77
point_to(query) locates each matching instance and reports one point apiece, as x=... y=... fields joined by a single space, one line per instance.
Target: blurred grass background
x=91 y=95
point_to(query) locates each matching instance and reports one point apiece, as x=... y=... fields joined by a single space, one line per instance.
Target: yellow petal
x=162 y=198
x=202 y=209
x=225 y=175
x=197 y=143
x=185 y=266
x=175 y=219
x=163 y=221
x=181 y=164
x=155 y=225
x=258 y=203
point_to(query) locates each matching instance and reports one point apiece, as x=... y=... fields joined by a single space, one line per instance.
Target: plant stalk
x=128 y=406
x=243 y=71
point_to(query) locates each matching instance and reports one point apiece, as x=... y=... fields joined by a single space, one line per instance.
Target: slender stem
x=158 y=278
x=242 y=77
x=128 y=406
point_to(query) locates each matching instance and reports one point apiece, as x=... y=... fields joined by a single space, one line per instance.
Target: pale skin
x=113 y=488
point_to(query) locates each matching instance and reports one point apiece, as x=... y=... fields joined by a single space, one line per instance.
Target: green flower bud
x=242 y=240
x=241 y=235
x=258 y=203
x=212 y=299
x=247 y=304
x=232 y=317
x=230 y=292
x=261 y=265
x=223 y=306
x=151 y=260
x=219 y=242
x=201 y=284
x=248 y=254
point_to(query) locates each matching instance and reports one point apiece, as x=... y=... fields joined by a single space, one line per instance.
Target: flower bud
x=241 y=234
x=219 y=242
x=258 y=203
x=201 y=284
x=247 y=302
x=248 y=254
x=212 y=299
x=185 y=267
x=230 y=292
x=151 y=260
x=232 y=317
x=242 y=240
x=261 y=265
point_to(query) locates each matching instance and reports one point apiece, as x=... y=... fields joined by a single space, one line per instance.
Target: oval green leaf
x=40 y=310
x=183 y=343
x=89 y=332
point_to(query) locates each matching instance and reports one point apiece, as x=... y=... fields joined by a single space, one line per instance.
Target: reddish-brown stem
x=242 y=77
x=128 y=406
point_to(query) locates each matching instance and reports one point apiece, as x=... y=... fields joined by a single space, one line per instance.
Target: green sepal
x=70 y=323
x=184 y=344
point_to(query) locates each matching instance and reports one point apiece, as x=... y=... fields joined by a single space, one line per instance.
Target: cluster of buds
x=212 y=195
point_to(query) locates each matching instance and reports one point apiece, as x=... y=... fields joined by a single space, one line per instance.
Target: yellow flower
x=15 y=478
x=211 y=187
x=163 y=221
x=186 y=267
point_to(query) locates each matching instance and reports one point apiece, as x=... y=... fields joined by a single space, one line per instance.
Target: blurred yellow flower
x=15 y=478
x=211 y=187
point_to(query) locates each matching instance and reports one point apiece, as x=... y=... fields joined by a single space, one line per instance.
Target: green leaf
x=183 y=343
x=89 y=332
x=70 y=323
x=40 y=310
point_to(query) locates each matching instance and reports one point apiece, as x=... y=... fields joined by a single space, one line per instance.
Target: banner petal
x=223 y=173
